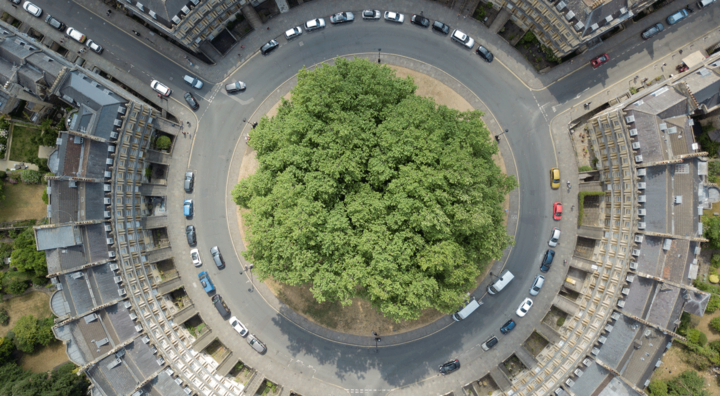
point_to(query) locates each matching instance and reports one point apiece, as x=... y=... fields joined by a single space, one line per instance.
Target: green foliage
x=715 y=323
x=63 y=382
x=706 y=287
x=3 y=175
x=4 y=317
x=26 y=333
x=45 y=334
x=365 y=189
x=30 y=176
x=708 y=144
x=711 y=230
x=550 y=55
x=714 y=168
x=581 y=202
x=684 y=323
x=26 y=257
x=633 y=90
x=658 y=388
x=715 y=261
x=528 y=38
x=714 y=304
x=162 y=143
x=6 y=349
x=560 y=321
x=696 y=336
x=689 y=383
x=17 y=287
x=585 y=168
x=714 y=345
x=702 y=339
x=45 y=197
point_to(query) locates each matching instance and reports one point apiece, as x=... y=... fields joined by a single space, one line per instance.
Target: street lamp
x=377 y=339
x=379 y=49
x=498 y=136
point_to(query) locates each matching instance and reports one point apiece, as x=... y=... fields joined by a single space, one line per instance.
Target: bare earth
x=46 y=358
x=673 y=364
x=359 y=318
x=37 y=304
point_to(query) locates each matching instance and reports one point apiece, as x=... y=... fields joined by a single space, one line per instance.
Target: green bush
x=633 y=90
x=17 y=287
x=657 y=388
x=715 y=323
x=4 y=317
x=585 y=168
x=714 y=304
x=684 y=323
x=702 y=339
x=560 y=321
x=45 y=197
x=715 y=345
x=2 y=175
x=163 y=143
x=30 y=176
x=696 y=336
x=715 y=261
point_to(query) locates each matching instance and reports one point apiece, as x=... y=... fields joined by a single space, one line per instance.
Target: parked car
x=394 y=17
x=677 y=17
x=54 y=22
x=547 y=260
x=188 y=207
x=190 y=99
x=75 y=35
x=440 y=27
x=484 y=53
x=314 y=24
x=32 y=9
x=220 y=305
x=554 y=237
x=195 y=256
x=256 y=344
x=462 y=38
x=94 y=46
x=160 y=88
x=217 y=257
x=342 y=17
x=371 y=14
x=269 y=47
x=237 y=86
x=194 y=82
x=189 y=181
x=238 y=326
x=652 y=31
x=554 y=178
x=704 y=3
x=524 y=307
x=557 y=211
x=420 y=20
x=537 y=285
x=449 y=367
x=491 y=342
x=599 y=61
x=292 y=33
x=508 y=326
x=190 y=234
x=205 y=282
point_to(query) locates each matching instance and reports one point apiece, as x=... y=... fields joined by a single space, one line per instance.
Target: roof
x=57 y=237
x=84 y=91
x=694 y=59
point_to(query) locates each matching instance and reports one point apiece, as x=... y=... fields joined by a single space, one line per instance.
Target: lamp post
x=379 y=49
x=377 y=339
x=498 y=136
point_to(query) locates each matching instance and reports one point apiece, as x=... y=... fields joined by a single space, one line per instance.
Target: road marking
x=242 y=102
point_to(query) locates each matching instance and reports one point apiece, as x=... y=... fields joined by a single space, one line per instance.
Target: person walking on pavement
x=568 y=185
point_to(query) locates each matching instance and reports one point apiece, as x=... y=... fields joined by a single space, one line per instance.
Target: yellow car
x=555 y=178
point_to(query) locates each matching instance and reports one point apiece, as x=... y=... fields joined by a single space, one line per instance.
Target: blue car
x=206 y=282
x=547 y=260
x=677 y=17
x=508 y=326
x=188 y=208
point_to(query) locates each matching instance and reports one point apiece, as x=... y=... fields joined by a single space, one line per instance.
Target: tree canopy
x=26 y=257
x=366 y=189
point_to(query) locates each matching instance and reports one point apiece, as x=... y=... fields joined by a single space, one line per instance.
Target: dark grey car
x=440 y=27
x=217 y=257
x=237 y=86
x=654 y=30
x=54 y=22
x=189 y=181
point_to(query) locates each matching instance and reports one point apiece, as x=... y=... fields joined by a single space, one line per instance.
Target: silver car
x=292 y=33
x=537 y=285
x=94 y=46
x=256 y=344
x=463 y=38
x=371 y=14
x=314 y=24
x=32 y=9
x=342 y=17
x=394 y=17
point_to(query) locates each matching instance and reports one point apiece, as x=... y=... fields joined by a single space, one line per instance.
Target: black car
x=652 y=31
x=440 y=27
x=191 y=101
x=420 y=21
x=508 y=326
x=547 y=260
x=190 y=233
x=269 y=47
x=220 y=305
x=485 y=53
x=449 y=367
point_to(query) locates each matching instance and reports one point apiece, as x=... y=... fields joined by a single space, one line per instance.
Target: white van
x=704 y=3
x=465 y=312
x=500 y=284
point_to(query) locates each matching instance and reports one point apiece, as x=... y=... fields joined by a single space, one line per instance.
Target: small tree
x=715 y=324
x=45 y=197
x=163 y=142
x=715 y=345
x=30 y=176
x=26 y=333
x=714 y=304
x=4 y=317
x=17 y=287
x=657 y=388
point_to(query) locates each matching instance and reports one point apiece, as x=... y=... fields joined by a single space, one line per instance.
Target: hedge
x=581 y=202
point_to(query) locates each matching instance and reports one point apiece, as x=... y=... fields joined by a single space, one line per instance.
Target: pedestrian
x=189 y=125
x=664 y=64
x=458 y=16
x=572 y=208
x=680 y=52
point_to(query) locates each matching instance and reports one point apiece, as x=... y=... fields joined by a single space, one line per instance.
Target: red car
x=599 y=60
x=557 y=211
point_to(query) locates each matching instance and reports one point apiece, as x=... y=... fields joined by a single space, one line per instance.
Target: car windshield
x=194 y=256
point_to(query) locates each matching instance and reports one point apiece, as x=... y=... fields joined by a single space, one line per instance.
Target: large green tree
x=365 y=189
x=26 y=257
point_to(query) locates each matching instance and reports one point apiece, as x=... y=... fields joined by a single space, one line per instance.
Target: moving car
x=190 y=99
x=160 y=88
x=537 y=285
x=195 y=256
x=314 y=24
x=217 y=257
x=557 y=211
x=238 y=326
x=554 y=237
x=269 y=47
x=190 y=234
x=189 y=181
x=524 y=307
x=652 y=31
x=420 y=20
x=672 y=19
x=188 y=207
x=292 y=33
x=555 y=178
x=237 y=86
x=54 y=22
x=394 y=17
x=600 y=60
x=508 y=326
x=94 y=46
x=462 y=38
x=440 y=27
x=342 y=17
x=194 y=82
x=449 y=367
x=32 y=9
x=491 y=342
x=484 y=53
x=371 y=14
x=75 y=35
x=220 y=305
x=547 y=260
x=256 y=344
x=205 y=282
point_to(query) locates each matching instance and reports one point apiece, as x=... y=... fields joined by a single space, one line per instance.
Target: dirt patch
x=512 y=366
x=22 y=202
x=46 y=359
x=217 y=350
x=553 y=318
x=360 y=318
x=535 y=343
x=37 y=304
x=673 y=364
x=704 y=326
x=241 y=373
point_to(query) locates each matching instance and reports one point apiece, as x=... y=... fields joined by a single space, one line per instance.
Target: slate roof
x=32 y=67
x=57 y=237
x=96 y=242
x=83 y=90
x=656 y=195
x=65 y=259
x=63 y=202
x=119 y=316
x=618 y=341
x=592 y=377
x=94 y=201
x=104 y=278
x=648 y=261
x=664 y=300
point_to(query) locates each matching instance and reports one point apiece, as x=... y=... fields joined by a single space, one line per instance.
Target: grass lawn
x=45 y=358
x=21 y=148
x=37 y=304
x=22 y=202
